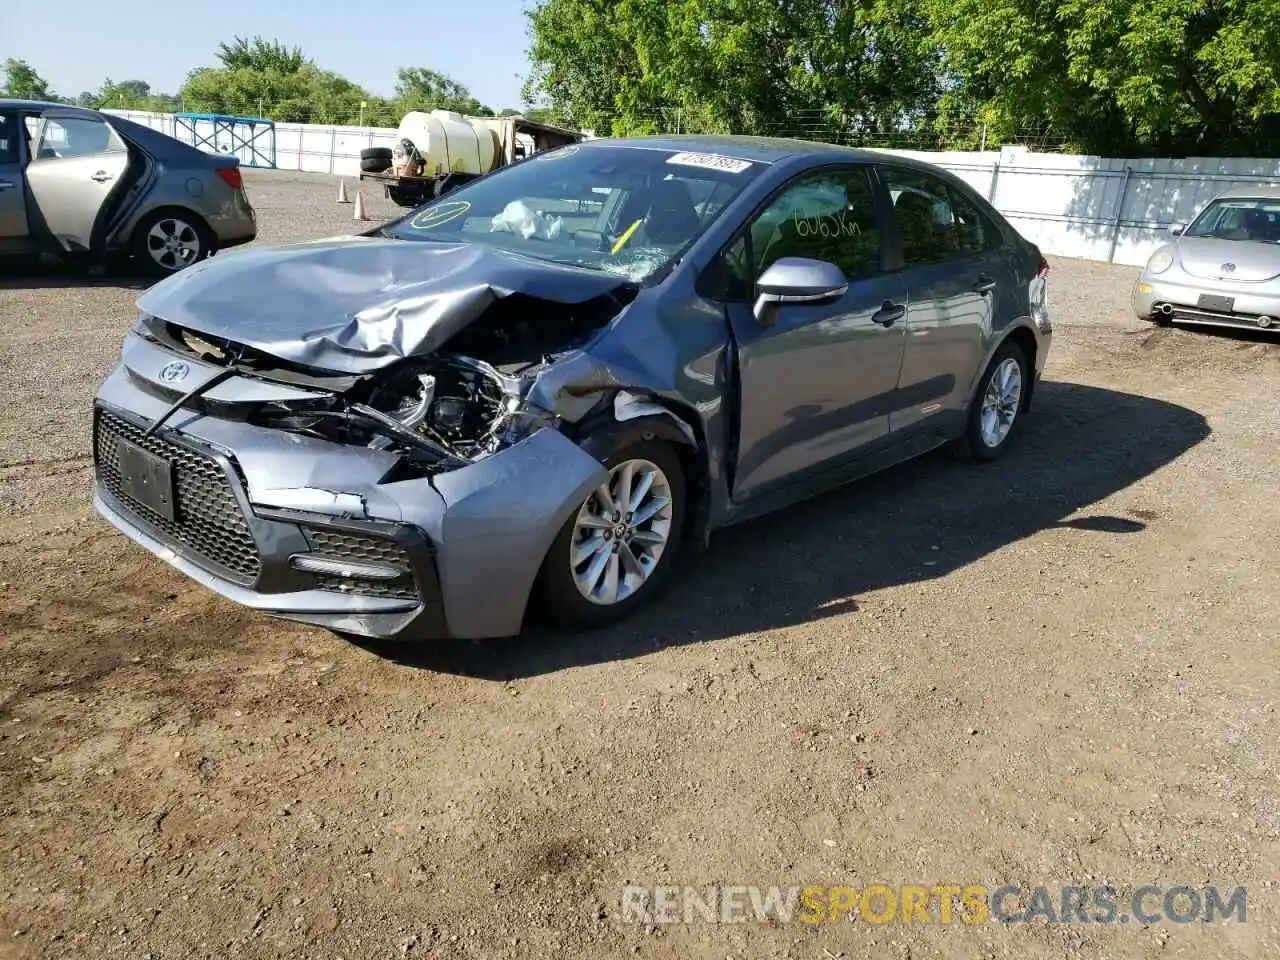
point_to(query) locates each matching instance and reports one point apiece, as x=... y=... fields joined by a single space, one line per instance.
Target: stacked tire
x=375 y=159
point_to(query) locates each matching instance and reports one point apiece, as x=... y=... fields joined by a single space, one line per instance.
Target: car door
x=952 y=263
x=13 y=201
x=77 y=164
x=816 y=383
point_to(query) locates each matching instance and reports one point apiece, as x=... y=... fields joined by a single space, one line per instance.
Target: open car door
x=76 y=164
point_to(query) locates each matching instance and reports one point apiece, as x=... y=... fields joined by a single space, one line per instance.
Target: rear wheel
x=996 y=409
x=616 y=550
x=167 y=241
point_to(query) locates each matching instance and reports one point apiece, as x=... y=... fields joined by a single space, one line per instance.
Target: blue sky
x=74 y=44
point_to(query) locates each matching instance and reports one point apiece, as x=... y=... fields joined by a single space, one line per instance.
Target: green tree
x=260 y=54
x=1119 y=77
x=836 y=69
x=420 y=88
x=23 y=83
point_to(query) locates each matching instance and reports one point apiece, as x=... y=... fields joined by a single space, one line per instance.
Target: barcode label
x=711 y=161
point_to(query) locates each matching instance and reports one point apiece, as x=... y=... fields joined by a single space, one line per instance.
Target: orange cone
x=358 y=212
x=342 y=192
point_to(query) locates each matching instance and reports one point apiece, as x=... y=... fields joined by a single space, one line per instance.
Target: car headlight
x=1160 y=261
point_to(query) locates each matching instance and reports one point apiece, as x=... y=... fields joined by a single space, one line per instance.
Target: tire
x=191 y=241
x=404 y=198
x=568 y=605
x=977 y=443
x=375 y=164
x=376 y=153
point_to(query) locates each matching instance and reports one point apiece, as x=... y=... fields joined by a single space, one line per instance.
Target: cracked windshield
x=624 y=210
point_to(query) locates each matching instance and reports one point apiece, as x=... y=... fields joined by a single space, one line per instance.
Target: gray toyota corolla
x=538 y=387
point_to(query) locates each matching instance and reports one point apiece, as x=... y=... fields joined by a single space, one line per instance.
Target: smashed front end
x=400 y=473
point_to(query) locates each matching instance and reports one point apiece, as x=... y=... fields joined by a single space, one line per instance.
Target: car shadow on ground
x=913 y=523
x=41 y=276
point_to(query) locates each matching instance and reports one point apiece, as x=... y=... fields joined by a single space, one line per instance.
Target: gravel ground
x=1057 y=670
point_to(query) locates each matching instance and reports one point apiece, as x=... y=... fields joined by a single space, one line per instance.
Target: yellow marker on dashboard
x=622 y=240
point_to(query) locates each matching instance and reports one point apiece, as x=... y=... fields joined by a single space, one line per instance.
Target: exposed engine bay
x=433 y=368
x=445 y=409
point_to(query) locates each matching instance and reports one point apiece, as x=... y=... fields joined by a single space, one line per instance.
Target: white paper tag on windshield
x=711 y=161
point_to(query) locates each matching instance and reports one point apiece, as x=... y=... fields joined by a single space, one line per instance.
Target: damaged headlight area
x=445 y=411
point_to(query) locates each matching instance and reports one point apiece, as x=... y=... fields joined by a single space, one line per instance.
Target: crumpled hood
x=356 y=304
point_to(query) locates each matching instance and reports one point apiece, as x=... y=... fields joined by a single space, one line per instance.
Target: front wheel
x=617 y=548
x=996 y=409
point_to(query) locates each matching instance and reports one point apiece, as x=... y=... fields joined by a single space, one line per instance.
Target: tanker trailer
x=439 y=150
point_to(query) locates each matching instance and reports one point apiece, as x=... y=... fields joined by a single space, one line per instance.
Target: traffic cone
x=342 y=192
x=358 y=212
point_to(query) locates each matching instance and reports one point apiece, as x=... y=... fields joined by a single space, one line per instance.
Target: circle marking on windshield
x=440 y=214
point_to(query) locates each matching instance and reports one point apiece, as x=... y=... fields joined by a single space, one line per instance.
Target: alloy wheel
x=1000 y=402
x=173 y=243
x=621 y=532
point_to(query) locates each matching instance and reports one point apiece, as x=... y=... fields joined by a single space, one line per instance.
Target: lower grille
x=354 y=547
x=210 y=523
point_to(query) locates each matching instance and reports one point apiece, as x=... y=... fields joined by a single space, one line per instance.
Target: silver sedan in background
x=1223 y=270
x=77 y=183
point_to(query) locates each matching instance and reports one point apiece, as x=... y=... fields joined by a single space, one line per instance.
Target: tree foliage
x=259 y=54
x=1122 y=76
x=23 y=83
x=1111 y=76
x=266 y=78
x=418 y=88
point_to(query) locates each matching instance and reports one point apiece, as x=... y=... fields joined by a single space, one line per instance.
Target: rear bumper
x=1251 y=310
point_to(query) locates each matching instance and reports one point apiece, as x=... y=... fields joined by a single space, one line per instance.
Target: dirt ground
x=1060 y=669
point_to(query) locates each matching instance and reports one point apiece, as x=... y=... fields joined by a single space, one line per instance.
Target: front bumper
x=1251 y=309
x=249 y=500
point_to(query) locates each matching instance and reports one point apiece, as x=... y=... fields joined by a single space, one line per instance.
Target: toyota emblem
x=1228 y=268
x=173 y=372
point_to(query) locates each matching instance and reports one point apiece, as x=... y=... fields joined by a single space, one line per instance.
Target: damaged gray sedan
x=539 y=387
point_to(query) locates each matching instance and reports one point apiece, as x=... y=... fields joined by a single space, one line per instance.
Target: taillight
x=1044 y=267
x=232 y=177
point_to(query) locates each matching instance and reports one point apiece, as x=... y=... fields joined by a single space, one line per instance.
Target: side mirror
x=1176 y=229
x=797 y=280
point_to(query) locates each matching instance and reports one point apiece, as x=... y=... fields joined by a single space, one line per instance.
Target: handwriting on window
x=828 y=225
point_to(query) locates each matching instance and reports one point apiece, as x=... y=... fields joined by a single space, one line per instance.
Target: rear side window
x=936 y=222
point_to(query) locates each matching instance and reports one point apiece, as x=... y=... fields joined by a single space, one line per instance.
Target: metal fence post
x=333 y=147
x=1115 y=223
x=995 y=179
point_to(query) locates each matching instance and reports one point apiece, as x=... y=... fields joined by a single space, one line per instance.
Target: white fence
x=1073 y=206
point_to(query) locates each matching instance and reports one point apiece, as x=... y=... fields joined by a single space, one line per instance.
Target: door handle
x=102 y=176
x=983 y=284
x=7 y=184
x=889 y=313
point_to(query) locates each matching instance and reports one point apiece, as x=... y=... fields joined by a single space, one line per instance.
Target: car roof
x=46 y=105
x=1250 y=193
x=758 y=149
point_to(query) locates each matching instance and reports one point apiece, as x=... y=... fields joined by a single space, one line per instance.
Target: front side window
x=827 y=216
x=1257 y=220
x=935 y=222
x=625 y=210
x=8 y=139
x=65 y=137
